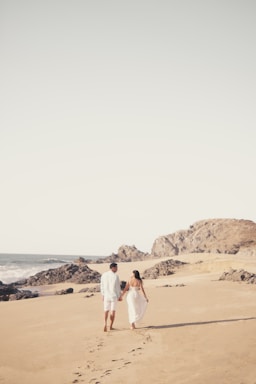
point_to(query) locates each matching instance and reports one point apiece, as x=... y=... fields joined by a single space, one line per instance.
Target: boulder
x=90 y=289
x=10 y=292
x=164 y=268
x=6 y=290
x=64 y=291
x=239 y=275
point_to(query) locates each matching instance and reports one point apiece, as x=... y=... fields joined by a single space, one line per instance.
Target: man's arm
x=102 y=285
x=118 y=288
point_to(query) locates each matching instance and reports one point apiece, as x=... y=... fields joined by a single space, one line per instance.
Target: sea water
x=15 y=267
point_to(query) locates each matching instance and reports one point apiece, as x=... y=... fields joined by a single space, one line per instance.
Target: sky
x=123 y=121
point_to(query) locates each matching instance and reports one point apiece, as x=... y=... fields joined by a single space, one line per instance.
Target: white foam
x=12 y=273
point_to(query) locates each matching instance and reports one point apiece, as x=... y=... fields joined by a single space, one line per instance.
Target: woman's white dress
x=137 y=305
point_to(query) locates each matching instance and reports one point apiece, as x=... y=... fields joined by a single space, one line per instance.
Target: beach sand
x=202 y=332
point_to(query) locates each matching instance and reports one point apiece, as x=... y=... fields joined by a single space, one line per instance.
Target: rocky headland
x=209 y=236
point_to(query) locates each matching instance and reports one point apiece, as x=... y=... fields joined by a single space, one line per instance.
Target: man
x=111 y=292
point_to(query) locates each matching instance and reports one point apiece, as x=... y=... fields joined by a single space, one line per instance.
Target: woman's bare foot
x=105 y=328
x=133 y=326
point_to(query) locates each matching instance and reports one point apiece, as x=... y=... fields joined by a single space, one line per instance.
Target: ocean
x=14 y=267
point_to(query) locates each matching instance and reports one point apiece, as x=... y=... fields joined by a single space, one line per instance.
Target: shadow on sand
x=198 y=323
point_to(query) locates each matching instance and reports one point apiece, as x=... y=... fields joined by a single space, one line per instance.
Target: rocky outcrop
x=75 y=273
x=211 y=236
x=239 y=275
x=64 y=291
x=164 y=268
x=23 y=294
x=90 y=289
x=9 y=292
x=125 y=253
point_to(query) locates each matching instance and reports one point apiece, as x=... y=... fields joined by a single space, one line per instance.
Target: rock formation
x=125 y=253
x=239 y=275
x=212 y=236
x=9 y=292
x=79 y=274
x=90 y=289
x=164 y=268
x=64 y=291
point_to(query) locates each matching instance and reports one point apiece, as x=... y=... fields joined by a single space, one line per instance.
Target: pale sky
x=122 y=121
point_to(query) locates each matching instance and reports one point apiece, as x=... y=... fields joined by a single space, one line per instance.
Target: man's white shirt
x=110 y=286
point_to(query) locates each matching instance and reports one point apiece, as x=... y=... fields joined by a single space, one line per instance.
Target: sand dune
x=201 y=332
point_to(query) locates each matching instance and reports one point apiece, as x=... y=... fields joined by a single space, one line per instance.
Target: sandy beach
x=197 y=330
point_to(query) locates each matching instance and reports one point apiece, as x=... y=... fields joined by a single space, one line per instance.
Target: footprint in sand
x=107 y=372
x=99 y=345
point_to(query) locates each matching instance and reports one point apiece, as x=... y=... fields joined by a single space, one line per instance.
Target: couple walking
x=111 y=292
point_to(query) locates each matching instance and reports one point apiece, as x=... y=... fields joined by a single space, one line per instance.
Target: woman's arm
x=143 y=291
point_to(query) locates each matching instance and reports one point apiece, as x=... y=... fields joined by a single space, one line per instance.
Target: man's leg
x=106 y=320
x=112 y=318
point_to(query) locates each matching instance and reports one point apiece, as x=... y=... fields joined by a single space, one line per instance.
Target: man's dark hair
x=113 y=265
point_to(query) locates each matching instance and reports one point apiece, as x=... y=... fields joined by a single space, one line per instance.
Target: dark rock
x=79 y=274
x=90 y=289
x=24 y=294
x=239 y=275
x=164 y=268
x=6 y=290
x=86 y=296
x=64 y=291
x=10 y=292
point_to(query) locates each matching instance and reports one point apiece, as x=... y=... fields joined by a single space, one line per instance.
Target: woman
x=136 y=302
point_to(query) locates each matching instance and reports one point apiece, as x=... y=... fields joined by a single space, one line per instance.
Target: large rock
x=6 y=290
x=79 y=274
x=239 y=275
x=10 y=292
x=164 y=268
x=125 y=253
x=212 y=236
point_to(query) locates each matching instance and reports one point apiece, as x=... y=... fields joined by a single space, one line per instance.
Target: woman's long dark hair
x=136 y=274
